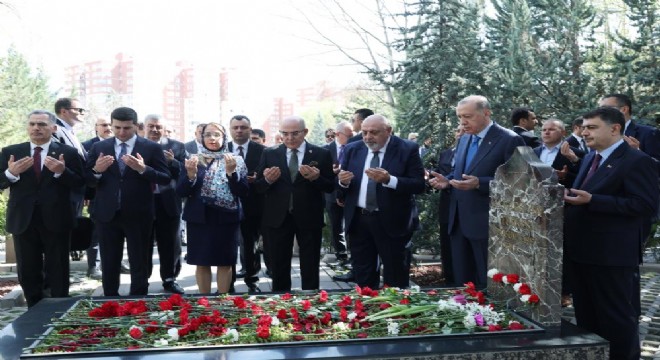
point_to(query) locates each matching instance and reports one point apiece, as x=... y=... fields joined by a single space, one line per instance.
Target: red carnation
x=243 y=321
x=498 y=277
x=533 y=299
x=512 y=278
x=514 y=325
x=524 y=289
x=135 y=333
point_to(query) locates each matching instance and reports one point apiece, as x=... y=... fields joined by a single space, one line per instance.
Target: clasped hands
x=136 y=163
x=17 y=167
x=378 y=175
x=437 y=181
x=308 y=172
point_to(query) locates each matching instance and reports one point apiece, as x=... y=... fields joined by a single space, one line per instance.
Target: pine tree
x=444 y=56
x=637 y=62
x=542 y=52
x=21 y=91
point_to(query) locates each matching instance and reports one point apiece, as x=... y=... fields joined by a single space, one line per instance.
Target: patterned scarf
x=215 y=186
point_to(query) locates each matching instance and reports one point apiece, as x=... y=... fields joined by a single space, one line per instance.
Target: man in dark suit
x=550 y=153
x=41 y=174
x=240 y=129
x=69 y=114
x=335 y=212
x=358 y=118
x=167 y=205
x=445 y=167
x=123 y=170
x=192 y=147
x=614 y=192
x=524 y=121
x=575 y=139
x=378 y=180
x=480 y=151
x=103 y=131
x=293 y=176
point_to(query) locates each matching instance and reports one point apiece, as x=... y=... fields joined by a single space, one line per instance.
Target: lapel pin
x=609 y=166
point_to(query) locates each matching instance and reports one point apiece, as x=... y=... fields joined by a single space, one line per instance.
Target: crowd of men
x=365 y=178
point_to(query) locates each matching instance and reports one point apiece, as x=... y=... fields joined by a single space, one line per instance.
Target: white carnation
x=525 y=298
x=233 y=335
x=173 y=333
x=160 y=342
x=492 y=273
x=517 y=286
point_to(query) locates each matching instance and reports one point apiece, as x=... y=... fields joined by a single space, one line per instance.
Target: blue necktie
x=120 y=162
x=472 y=150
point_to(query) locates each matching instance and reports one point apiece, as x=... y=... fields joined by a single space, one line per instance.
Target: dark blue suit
x=561 y=161
x=445 y=167
x=124 y=207
x=336 y=212
x=604 y=243
x=167 y=220
x=253 y=206
x=387 y=232
x=468 y=209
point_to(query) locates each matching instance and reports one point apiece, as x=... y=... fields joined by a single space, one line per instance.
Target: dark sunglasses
x=79 y=110
x=329 y=136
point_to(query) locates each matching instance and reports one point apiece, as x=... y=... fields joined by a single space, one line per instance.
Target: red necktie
x=37 y=162
x=594 y=166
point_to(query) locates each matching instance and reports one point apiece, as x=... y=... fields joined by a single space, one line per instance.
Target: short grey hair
x=479 y=100
x=343 y=125
x=52 y=119
x=156 y=117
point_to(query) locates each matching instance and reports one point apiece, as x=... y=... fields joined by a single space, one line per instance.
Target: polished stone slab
x=526 y=232
x=564 y=342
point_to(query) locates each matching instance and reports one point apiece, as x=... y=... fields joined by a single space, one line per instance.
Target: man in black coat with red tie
x=41 y=175
x=614 y=192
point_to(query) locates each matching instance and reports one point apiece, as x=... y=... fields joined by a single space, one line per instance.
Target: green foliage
x=636 y=69
x=539 y=54
x=21 y=91
x=4 y=197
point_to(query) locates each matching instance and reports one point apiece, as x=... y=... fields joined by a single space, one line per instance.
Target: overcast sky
x=260 y=36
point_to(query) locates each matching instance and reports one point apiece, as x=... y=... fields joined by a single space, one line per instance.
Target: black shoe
x=125 y=268
x=94 y=273
x=253 y=289
x=241 y=274
x=173 y=287
x=348 y=277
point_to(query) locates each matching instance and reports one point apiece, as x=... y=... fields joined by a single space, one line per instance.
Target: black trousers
x=167 y=236
x=42 y=254
x=370 y=244
x=445 y=254
x=137 y=232
x=250 y=231
x=336 y=216
x=604 y=299
x=281 y=250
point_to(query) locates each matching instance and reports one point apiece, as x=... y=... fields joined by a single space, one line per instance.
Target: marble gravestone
x=526 y=233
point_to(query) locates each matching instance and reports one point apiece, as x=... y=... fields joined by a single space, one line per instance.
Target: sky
x=267 y=38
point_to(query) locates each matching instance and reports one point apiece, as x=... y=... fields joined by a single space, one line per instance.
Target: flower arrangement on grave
x=229 y=319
